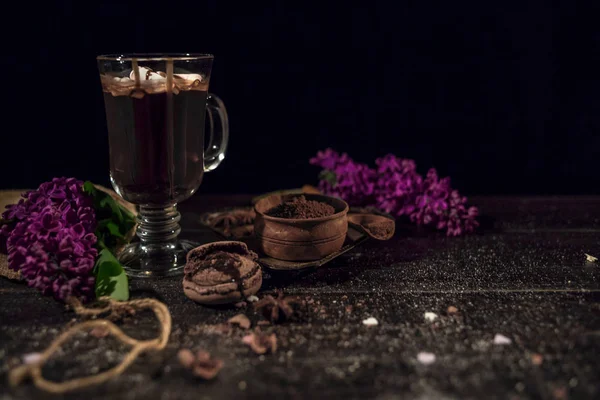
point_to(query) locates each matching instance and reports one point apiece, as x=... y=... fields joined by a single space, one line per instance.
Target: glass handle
x=218 y=136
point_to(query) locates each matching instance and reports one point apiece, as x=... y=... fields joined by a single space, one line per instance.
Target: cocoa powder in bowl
x=300 y=208
x=379 y=229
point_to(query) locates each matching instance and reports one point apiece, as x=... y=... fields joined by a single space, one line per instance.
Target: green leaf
x=328 y=176
x=128 y=225
x=111 y=279
x=89 y=188
x=101 y=246
x=6 y=221
x=114 y=220
x=108 y=203
x=128 y=214
x=114 y=229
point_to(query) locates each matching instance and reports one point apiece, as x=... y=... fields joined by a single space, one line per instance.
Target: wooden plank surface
x=524 y=276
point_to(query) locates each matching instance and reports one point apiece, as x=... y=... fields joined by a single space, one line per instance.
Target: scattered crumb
x=99 y=332
x=501 y=339
x=32 y=358
x=452 y=310
x=520 y=386
x=590 y=258
x=252 y=298
x=261 y=343
x=573 y=382
x=202 y=364
x=370 y=322
x=430 y=316
x=186 y=357
x=344 y=297
x=537 y=359
x=240 y=320
x=242 y=385
x=560 y=393
x=426 y=358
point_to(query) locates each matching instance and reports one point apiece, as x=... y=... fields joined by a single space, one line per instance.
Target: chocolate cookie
x=221 y=272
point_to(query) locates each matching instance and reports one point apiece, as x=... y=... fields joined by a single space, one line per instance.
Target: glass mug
x=157 y=107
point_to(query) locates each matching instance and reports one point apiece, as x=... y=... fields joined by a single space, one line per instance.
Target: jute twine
x=34 y=370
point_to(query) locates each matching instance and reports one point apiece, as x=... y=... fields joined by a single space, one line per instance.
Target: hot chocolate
x=155 y=126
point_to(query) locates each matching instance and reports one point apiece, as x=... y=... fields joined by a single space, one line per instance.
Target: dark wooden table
x=525 y=276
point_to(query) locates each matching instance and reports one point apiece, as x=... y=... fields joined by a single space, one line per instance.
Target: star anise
x=280 y=308
x=231 y=220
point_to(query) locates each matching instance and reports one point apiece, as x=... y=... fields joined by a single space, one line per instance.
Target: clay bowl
x=300 y=239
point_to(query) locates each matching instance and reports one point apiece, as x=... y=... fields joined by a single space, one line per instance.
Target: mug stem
x=158 y=225
x=158 y=252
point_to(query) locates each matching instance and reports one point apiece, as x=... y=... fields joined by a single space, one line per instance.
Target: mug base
x=157 y=260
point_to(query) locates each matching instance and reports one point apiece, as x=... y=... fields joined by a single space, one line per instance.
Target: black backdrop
x=502 y=97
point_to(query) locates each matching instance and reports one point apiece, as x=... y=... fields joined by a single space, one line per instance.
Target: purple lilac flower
x=50 y=239
x=398 y=185
x=439 y=205
x=396 y=188
x=354 y=182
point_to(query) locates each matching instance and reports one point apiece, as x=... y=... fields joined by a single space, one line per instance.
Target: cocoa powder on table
x=300 y=208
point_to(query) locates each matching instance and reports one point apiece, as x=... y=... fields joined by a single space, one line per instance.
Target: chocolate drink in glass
x=156 y=111
x=154 y=160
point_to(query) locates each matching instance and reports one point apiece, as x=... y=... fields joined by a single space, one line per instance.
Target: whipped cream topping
x=150 y=82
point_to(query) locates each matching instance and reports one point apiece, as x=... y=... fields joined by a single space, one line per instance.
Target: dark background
x=501 y=97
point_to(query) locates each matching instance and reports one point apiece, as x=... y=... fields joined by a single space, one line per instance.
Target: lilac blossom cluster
x=50 y=239
x=396 y=187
